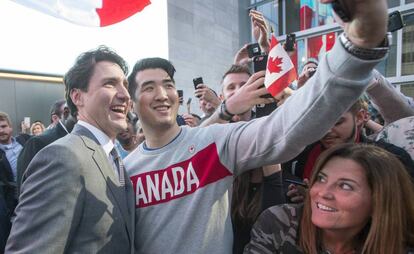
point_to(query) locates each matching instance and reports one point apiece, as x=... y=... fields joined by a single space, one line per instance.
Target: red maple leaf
x=275 y=65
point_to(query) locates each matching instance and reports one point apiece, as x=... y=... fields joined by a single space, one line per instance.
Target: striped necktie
x=119 y=166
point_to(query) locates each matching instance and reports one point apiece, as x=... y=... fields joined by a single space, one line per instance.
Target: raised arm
x=391 y=104
x=306 y=116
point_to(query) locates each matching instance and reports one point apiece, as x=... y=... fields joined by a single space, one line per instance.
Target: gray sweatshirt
x=183 y=189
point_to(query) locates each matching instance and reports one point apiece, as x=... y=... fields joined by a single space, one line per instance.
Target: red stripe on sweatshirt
x=179 y=180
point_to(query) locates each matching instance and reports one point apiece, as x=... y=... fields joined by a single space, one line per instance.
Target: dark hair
x=55 y=109
x=79 y=75
x=149 y=63
x=235 y=68
x=312 y=60
x=244 y=207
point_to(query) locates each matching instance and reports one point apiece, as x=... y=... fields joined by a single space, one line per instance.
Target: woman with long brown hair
x=361 y=200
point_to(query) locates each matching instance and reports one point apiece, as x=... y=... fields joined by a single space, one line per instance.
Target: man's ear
x=76 y=96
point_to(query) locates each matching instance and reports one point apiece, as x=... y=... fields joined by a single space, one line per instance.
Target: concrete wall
x=21 y=98
x=203 y=38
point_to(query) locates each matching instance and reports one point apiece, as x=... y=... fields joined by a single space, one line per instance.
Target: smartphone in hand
x=180 y=96
x=196 y=82
x=290 y=42
x=260 y=64
x=253 y=49
x=395 y=21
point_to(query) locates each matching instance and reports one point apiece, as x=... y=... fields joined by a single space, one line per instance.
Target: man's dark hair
x=312 y=60
x=79 y=75
x=235 y=68
x=149 y=63
x=55 y=109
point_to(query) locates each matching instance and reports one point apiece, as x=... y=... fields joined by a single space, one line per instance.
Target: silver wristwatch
x=364 y=53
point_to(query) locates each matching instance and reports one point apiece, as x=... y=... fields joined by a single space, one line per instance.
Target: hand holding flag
x=280 y=69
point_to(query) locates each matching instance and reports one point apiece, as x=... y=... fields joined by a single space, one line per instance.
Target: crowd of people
x=118 y=170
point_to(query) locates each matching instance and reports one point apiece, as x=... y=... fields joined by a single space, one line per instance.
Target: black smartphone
x=297 y=182
x=290 y=42
x=395 y=21
x=180 y=96
x=196 y=82
x=253 y=50
x=259 y=63
x=342 y=10
x=265 y=109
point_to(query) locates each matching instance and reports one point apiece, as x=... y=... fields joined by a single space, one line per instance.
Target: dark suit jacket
x=7 y=185
x=72 y=202
x=33 y=146
x=8 y=199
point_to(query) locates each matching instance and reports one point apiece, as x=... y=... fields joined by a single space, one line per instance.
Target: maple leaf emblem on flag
x=275 y=65
x=280 y=69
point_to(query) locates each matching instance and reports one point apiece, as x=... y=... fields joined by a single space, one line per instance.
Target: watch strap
x=366 y=53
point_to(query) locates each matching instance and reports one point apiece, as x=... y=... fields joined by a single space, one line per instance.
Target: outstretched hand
x=260 y=30
x=368 y=26
x=249 y=95
x=205 y=93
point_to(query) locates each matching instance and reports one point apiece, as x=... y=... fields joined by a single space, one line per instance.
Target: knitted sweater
x=182 y=189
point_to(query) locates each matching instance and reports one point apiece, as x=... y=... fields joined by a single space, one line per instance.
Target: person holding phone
x=182 y=176
x=308 y=70
x=353 y=206
x=208 y=99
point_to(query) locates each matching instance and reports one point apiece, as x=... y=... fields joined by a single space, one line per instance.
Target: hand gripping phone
x=196 y=82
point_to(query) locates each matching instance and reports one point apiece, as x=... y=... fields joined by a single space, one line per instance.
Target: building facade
x=316 y=31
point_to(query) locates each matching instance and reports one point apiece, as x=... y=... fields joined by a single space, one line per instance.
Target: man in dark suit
x=10 y=147
x=75 y=198
x=36 y=143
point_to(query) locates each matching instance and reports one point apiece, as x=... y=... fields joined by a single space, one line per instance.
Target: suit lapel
x=120 y=193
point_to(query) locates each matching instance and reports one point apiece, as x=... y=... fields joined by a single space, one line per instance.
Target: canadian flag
x=88 y=12
x=280 y=69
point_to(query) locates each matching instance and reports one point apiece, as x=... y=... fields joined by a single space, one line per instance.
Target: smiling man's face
x=156 y=99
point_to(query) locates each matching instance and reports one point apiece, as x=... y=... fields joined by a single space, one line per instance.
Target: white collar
x=63 y=126
x=106 y=143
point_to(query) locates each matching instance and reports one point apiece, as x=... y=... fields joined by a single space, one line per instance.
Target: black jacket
x=7 y=185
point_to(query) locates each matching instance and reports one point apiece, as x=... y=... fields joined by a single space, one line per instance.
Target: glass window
x=393 y=3
x=319 y=45
x=407 y=67
x=408 y=89
x=301 y=55
x=314 y=14
x=292 y=16
x=388 y=67
x=270 y=12
x=409 y=1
